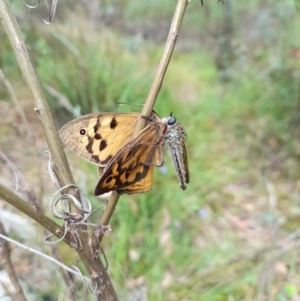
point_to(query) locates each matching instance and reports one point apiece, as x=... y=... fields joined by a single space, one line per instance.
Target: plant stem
x=86 y=249
x=153 y=93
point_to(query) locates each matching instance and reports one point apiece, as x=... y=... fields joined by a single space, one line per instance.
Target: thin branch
x=164 y=62
x=49 y=258
x=5 y=252
x=33 y=212
x=14 y=170
x=62 y=100
x=15 y=101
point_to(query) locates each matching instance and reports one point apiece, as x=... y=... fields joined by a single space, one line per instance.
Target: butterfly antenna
x=128 y=104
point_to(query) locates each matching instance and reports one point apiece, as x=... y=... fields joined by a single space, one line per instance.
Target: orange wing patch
x=130 y=171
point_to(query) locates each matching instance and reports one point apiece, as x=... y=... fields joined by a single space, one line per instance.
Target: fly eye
x=172 y=120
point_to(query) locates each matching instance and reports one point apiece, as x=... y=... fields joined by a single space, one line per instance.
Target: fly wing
x=186 y=164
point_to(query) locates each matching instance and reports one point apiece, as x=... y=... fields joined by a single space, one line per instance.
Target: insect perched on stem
x=175 y=137
x=105 y=139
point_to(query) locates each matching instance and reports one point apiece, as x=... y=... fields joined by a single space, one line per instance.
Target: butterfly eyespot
x=82 y=132
x=172 y=120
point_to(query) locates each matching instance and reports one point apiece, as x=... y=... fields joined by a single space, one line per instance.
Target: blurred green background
x=233 y=83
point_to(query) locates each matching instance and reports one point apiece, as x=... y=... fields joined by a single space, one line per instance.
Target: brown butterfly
x=98 y=137
x=106 y=139
x=132 y=165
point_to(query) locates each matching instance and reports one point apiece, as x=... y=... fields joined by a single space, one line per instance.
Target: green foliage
x=181 y=243
x=98 y=78
x=290 y=290
x=214 y=240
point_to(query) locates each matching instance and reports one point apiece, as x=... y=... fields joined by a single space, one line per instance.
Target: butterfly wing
x=130 y=171
x=145 y=184
x=141 y=186
x=97 y=137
